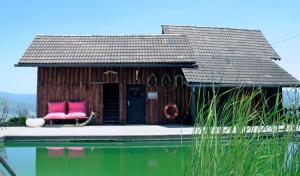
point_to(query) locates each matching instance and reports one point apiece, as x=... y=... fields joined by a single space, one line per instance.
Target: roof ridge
x=208 y=27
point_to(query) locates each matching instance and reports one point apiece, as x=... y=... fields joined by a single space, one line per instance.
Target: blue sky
x=21 y=20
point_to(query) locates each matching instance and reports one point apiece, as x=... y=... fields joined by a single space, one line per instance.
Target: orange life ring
x=171 y=110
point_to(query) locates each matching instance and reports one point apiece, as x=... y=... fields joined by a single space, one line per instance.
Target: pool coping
x=98 y=133
x=125 y=133
x=94 y=138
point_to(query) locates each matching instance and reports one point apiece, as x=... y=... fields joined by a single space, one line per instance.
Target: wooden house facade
x=130 y=79
x=117 y=95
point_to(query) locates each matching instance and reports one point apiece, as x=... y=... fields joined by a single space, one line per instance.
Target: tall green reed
x=243 y=134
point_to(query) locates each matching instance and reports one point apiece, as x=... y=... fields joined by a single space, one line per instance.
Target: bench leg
x=77 y=122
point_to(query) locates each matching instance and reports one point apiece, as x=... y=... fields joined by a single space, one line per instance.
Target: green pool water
x=115 y=158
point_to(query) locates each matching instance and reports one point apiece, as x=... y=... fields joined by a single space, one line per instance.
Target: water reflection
x=105 y=160
x=291 y=159
x=109 y=161
x=72 y=152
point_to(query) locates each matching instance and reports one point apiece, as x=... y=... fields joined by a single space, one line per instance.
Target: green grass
x=238 y=153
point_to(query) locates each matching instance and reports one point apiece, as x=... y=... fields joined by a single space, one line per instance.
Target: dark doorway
x=136 y=104
x=111 y=103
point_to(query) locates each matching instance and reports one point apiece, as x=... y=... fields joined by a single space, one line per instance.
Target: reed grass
x=243 y=136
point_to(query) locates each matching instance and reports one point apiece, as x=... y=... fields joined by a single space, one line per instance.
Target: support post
x=193 y=105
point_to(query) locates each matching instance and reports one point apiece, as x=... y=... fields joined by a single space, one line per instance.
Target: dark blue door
x=136 y=104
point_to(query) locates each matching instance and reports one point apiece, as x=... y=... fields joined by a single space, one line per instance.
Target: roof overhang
x=218 y=85
x=179 y=65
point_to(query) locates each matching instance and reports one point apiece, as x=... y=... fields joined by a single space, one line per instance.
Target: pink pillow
x=56 y=107
x=76 y=115
x=55 y=115
x=77 y=106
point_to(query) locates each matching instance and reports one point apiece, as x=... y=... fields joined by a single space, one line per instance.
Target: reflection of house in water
x=110 y=161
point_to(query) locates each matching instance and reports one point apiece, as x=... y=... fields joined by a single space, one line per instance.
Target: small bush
x=16 y=121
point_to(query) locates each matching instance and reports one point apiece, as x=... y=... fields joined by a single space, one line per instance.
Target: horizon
x=22 y=21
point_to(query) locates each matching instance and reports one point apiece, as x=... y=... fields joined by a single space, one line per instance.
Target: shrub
x=16 y=121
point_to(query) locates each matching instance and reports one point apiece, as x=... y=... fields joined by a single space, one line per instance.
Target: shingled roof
x=48 y=50
x=232 y=57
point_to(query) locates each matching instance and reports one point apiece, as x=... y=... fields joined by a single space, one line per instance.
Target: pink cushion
x=55 y=148
x=76 y=115
x=75 y=148
x=76 y=152
x=55 y=115
x=56 y=151
x=77 y=106
x=57 y=107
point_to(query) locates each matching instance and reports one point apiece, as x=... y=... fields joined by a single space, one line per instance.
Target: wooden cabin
x=129 y=79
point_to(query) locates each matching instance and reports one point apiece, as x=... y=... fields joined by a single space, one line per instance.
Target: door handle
x=128 y=103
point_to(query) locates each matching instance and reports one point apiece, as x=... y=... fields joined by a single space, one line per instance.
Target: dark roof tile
x=232 y=57
x=48 y=49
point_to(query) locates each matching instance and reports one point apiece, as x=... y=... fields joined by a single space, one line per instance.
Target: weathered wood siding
x=59 y=84
x=265 y=98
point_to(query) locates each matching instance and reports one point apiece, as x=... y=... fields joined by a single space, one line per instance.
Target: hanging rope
x=152 y=80
x=179 y=80
x=166 y=80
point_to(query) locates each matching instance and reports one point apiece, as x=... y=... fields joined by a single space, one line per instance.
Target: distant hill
x=19 y=102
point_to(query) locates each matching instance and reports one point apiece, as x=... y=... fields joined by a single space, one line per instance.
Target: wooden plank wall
x=265 y=97
x=59 y=84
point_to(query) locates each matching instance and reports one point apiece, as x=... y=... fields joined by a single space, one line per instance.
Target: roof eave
x=181 y=65
x=207 y=85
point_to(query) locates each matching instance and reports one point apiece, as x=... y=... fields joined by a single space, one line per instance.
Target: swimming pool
x=96 y=158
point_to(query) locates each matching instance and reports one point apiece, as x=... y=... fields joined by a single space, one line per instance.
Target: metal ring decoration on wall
x=179 y=80
x=152 y=80
x=166 y=80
